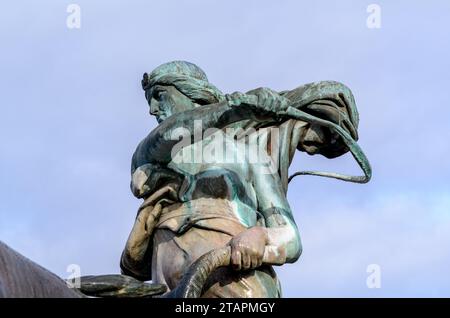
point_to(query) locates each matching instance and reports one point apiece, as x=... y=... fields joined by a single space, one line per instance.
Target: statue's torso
x=223 y=175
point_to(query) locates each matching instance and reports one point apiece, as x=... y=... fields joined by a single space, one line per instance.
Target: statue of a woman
x=194 y=205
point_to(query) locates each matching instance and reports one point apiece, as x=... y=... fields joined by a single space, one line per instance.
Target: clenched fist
x=247 y=248
x=263 y=100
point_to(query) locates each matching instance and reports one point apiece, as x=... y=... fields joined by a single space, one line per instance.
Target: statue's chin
x=311 y=150
x=312 y=153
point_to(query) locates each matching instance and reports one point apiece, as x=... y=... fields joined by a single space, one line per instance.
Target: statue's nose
x=314 y=134
x=154 y=109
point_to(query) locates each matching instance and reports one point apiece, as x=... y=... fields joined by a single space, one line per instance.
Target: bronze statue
x=197 y=205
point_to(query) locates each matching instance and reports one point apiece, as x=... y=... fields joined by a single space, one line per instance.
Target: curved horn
x=193 y=281
x=191 y=285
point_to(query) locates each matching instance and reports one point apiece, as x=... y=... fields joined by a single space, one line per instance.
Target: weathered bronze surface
x=233 y=213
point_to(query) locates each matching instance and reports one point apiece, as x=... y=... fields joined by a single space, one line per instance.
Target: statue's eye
x=158 y=94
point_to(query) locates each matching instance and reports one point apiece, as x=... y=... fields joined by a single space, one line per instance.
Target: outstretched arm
x=259 y=105
x=156 y=148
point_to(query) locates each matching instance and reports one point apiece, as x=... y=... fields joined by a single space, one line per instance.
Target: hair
x=188 y=78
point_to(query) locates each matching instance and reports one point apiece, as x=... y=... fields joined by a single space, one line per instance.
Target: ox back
x=20 y=277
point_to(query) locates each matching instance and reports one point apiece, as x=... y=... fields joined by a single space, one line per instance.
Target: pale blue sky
x=72 y=113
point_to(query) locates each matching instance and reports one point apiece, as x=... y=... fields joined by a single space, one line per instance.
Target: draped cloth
x=327 y=102
x=183 y=232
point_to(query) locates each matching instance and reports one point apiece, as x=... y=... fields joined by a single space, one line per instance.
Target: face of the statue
x=313 y=139
x=166 y=101
x=319 y=140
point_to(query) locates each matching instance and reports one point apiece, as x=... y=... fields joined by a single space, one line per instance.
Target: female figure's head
x=178 y=86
